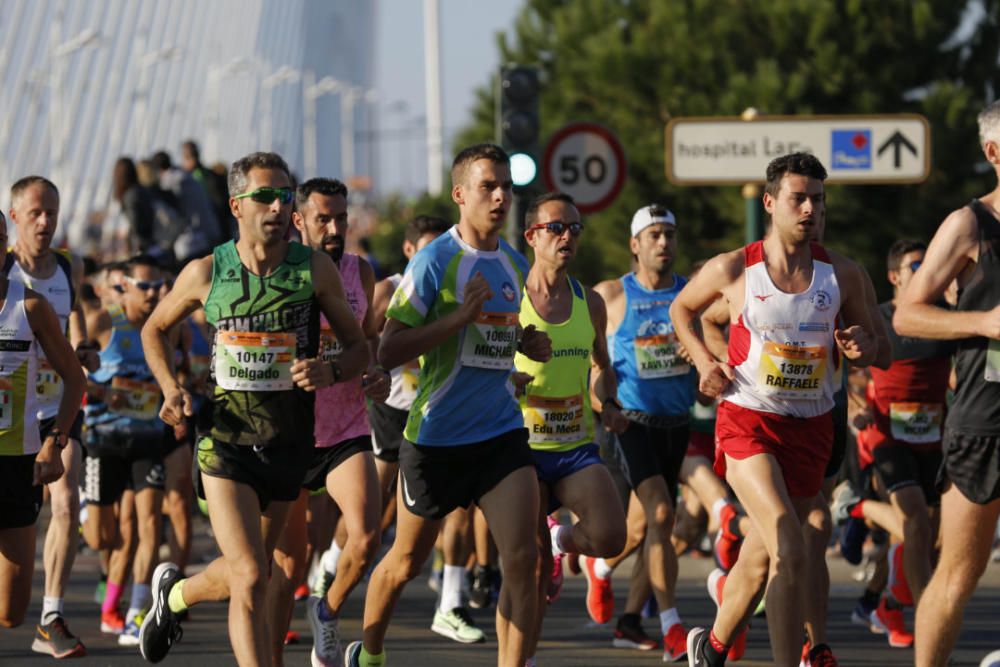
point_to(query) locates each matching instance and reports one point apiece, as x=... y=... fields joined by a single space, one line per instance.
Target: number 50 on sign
x=585 y=161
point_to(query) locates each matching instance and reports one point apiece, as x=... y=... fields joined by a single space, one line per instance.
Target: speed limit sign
x=585 y=161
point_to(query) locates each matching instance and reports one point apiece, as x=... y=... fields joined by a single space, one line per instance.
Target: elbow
x=901 y=322
x=386 y=356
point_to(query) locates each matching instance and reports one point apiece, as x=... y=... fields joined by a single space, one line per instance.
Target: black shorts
x=325 y=459
x=387 y=425
x=75 y=431
x=840 y=439
x=647 y=451
x=437 y=480
x=274 y=473
x=972 y=463
x=106 y=478
x=901 y=466
x=20 y=499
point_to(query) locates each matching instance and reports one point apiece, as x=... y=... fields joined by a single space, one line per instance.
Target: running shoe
x=112 y=622
x=292 y=637
x=480 y=591
x=899 y=587
x=804 y=659
x=600 y=597
x=55 y=639
x=630 y=634
x=852 y=540
x=160 y=629
x=820 y=656
x=862 y=616
x=716 y=582
x=130 y=636
x=890 y=621
x=302 y=592
x=675 y=643
x=696 y=640
x=327 y=650
x=457 y=625
x=322 y=584
x=727 y=541
x=352 y=656
x=844 y=500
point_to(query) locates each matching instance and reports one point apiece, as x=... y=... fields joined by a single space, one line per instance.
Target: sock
x=331 y=557
x=717 y=509
x=857 y=511
x=715 y=651
x=366 y=659
x=51 y=607
x=559 y=533
x=451 y=588
x=668 y=619
x=601 y=569
x=142 y=595
x=112 y=597
x=870 y=599
x=175 y=600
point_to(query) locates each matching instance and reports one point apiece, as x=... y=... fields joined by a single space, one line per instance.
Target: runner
x=785 y=296
x=965 y=247
x=556 y=400
x=124 y=477
x=56 y=276
x=262 y=295
x=343 y=466
x=457 y=307
x=28 y=461
x=656 y=389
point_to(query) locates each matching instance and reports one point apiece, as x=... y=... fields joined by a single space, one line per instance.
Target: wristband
x=60 y=437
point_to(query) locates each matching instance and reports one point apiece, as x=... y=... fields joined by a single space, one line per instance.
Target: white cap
x=654 y=214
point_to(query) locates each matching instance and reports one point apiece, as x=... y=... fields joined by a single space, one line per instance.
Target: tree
x=633 y=65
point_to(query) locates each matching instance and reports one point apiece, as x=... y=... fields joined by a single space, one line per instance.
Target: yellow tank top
x=556 y=404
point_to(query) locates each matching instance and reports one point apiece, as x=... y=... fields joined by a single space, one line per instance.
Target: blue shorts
x=554 y=466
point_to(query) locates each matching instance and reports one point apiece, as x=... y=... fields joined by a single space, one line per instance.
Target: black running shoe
x=480 y=592
x=696 y=640
x=161 y=628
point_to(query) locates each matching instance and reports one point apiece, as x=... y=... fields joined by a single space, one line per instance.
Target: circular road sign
x=585 y=161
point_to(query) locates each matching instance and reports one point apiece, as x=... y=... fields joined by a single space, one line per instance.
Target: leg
x=17 y=566
x=64 y=526
x=179 y=495
x=147 y=511
x=505 y=506
x=591 y=495
x=816 y=530
x=697 y=473
x=966 y=539
x=543 y=571
x=455 y=550
x=387 y=472
x=660 y=557
x=911 y=508
x=289 y=567
x=635 y=531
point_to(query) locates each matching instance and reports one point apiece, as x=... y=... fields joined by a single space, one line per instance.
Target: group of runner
x=273 y=377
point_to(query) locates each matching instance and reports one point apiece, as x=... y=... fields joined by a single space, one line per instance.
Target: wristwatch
x=61 y=438
x=335 y=369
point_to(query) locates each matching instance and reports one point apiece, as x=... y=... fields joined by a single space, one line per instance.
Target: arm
x=855 y=341
x=48 y=332
x=381 y=298
x=604 y=381
x=954 y=248
x=85 y=352
x=189 y=293
x=99 y=327
x=714 y=320
x=375 y=380
x=884 y=358
x=354 y=356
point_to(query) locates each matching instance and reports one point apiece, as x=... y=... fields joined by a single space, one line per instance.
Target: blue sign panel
x=852 y=149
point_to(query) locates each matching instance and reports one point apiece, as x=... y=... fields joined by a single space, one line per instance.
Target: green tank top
x=253 y=400
x=556 y=404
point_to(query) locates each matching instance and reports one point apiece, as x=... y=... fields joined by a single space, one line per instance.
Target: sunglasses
x=143 y=285
x=557 y=227
x=914 y=266
x=268 y=195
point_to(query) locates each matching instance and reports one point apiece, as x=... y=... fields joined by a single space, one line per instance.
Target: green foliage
x=393 y=215
x=632 y=65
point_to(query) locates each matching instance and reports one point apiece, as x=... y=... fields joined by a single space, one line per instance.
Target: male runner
x=263 y=296
x=57 y=276
x=124 y=476
x=774 y=431
x=556 y=399
x=27 y=461
x=656 y=390
x=457 y=307
x=342 y=465
x=966 y=248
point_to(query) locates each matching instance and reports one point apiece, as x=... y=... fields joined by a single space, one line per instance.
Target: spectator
x=214 y=184
x=202 y=231
x=135 y=206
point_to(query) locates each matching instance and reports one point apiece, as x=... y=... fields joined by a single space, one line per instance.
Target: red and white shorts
x=802 y=446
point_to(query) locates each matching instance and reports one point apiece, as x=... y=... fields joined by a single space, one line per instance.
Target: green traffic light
x=523 y=169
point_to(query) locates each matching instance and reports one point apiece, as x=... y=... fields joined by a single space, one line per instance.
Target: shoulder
x=199 y=270
x=595 y=302
x=609 y=290
x=844 y=267
x=366 y=272
x=727 y=266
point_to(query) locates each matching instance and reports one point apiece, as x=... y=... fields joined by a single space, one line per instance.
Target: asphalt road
x=569 y=639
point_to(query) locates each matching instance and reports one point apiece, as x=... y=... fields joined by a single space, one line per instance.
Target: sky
x=469 y=57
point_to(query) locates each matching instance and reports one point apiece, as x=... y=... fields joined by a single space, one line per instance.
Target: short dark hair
x=803 y=164
x=425 y=224
x=900 y=248
x=240 y=169
x=130 y=264
x=467 y=156
x=23 y=184
x=161 y=159
x=329 y=187
x=531 y=213
x=191 y=146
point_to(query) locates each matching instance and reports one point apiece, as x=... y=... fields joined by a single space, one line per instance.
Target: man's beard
x=338 y=250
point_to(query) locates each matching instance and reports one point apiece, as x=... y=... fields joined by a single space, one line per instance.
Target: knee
x=365 y=546
x=247 y=577
x=820 y=522
x=520 y=562
x=66 y=506
x=662 y=517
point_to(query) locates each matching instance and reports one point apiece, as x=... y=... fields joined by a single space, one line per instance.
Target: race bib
x=6 y=404
x=135 y=399
x=993 y=361
x=49 y=385
x=409 y=377
x=558 y=420
x=254 y=361
x=916 y=422
x=329 y=347
x=792 y=371
x=656 y=357
x=491 y=341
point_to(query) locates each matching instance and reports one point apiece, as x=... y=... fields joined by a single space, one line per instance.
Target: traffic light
x=517 y=121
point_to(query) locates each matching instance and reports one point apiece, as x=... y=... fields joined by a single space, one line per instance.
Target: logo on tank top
x=508 y=291
x=762 y=297
x=821 y=300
